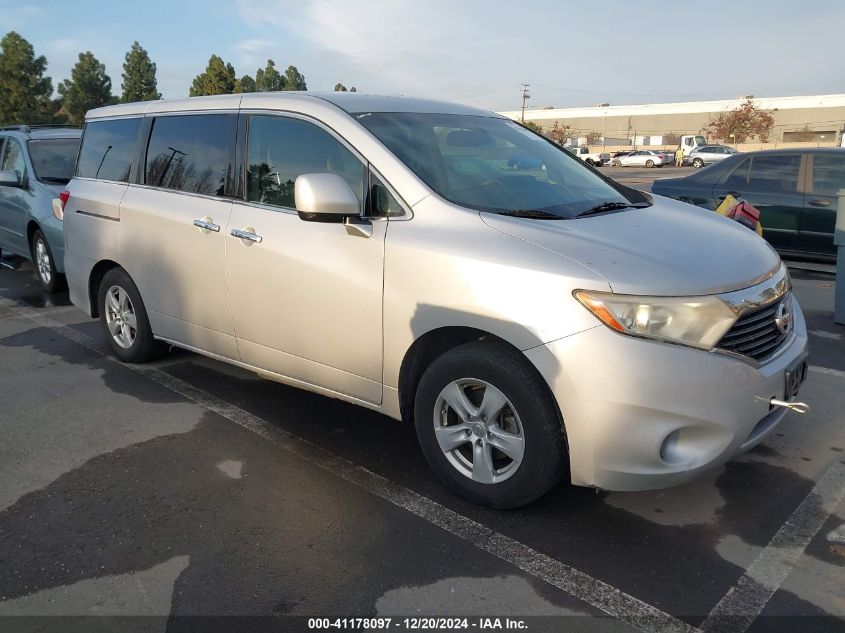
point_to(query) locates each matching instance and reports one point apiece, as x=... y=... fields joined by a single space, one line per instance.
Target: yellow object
x=728 y=205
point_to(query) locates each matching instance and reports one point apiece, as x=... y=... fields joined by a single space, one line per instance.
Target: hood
x=670 y=248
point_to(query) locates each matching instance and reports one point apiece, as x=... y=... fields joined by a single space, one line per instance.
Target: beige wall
x=693 y=123
x=741 y=147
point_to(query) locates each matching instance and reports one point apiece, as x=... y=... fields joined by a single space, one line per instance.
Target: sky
x=471 y=51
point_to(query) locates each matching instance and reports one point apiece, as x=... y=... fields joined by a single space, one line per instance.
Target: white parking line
x=823 y=334
x=741 y=605
x=582 y=586
x=837 y=536
x=827 y=370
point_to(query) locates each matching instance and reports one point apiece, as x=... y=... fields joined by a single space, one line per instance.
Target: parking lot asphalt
x=642 y=177
x=190 y=487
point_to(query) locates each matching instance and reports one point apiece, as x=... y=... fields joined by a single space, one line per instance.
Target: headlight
x=696 y=321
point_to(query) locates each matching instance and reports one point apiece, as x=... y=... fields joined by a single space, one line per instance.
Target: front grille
x=755 y=334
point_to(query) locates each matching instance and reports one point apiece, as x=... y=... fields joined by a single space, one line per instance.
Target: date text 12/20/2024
x=417 y=624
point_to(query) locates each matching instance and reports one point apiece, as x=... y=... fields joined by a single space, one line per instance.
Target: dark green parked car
x=794 y=189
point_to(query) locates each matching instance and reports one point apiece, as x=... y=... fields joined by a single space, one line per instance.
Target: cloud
x=254 y=53
x=420 y=40
x=16 y=14
x=478 y=51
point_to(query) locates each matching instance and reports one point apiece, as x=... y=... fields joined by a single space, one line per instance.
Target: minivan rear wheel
x=489 y=427
x=51 y=280
x=123 y=318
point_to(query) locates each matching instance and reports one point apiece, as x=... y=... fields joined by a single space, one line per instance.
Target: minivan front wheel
x=51 y=280
x=489 y=427
x=124 y=321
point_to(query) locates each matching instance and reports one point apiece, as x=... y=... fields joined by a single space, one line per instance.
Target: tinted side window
x=191 y=153
x=13 y=159
x=828 y=174
x=775 y=173
x=108 y=148
x=739 y=176
x=280 y=149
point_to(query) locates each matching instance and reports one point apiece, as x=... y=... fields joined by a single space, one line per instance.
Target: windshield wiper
x=609 y=206
x=534 y=214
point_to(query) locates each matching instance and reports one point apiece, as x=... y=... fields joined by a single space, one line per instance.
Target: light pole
x=839 y=241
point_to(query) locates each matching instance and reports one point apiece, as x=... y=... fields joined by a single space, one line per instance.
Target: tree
x=268 y=79
x=535 y=127
x=294 y=80
x=25 y=90
x=245 y=84
x=217 y=79
x=339 y=87
x=561 y=134
x=593 y=138
x=88 y=87
x=139 y=76
x=743 y=123
x=353 y=89
x=671 y=138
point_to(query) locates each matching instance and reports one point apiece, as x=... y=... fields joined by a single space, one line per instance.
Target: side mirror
x=325 y=198
x=10 y=178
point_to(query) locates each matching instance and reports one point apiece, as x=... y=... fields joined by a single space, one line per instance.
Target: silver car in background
x=534 y=325
x=640 y=158
x=708 y=154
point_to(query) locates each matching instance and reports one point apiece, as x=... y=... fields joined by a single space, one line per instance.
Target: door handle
x=246 y=235
x=819 y=202
x=207 y=225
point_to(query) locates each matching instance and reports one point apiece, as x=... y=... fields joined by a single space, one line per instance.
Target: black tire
x=544 y=461
x=649 y=163
x=45 y=266
x=698 y=163
x=143 y=347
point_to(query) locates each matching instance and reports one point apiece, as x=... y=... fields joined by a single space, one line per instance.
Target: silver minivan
x=533 y=324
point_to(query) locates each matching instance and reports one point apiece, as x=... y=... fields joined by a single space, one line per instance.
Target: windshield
x=493 y=164
x=54 y=160
x=699 y=140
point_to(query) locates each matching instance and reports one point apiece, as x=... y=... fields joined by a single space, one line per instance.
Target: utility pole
x=526 y=95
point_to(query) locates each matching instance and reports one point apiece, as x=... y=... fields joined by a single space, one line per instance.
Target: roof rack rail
x=37 y=126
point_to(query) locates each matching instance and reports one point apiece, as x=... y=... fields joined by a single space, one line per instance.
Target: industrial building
x=819 y=119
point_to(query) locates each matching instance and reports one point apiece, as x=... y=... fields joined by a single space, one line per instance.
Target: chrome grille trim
x=755 y=335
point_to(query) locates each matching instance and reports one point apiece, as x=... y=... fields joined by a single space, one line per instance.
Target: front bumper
x=623 y=398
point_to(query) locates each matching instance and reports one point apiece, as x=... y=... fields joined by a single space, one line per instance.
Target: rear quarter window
x=108 y=148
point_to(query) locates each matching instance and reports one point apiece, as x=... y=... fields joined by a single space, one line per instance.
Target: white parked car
x=535 y=325
x=641 y=158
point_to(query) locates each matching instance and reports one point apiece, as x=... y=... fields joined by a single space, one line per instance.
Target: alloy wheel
x=120 y=317
x=42 y=261
x=479 y=431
